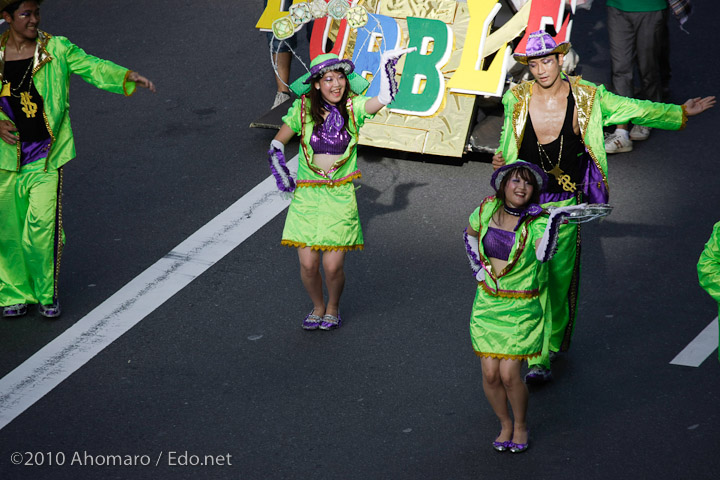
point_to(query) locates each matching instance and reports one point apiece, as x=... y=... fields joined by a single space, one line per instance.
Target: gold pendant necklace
x=562 y=178
x=30 y=108
x=13 y=91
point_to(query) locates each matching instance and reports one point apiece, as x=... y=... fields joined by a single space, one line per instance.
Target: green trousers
x=30 y=234
x=559 y=295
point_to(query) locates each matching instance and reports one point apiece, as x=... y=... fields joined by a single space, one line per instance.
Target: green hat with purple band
x=323 y=64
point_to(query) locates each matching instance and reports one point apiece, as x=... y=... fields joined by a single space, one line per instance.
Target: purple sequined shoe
x=518 y=447
x=502 y=446
x=17 y=310
x=50 y=311
x=330 y=322
x=312 y=321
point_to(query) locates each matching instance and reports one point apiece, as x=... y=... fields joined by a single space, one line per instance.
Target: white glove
x=472 y=249
x=548 y=243
x=388 y=85
x=279 y=145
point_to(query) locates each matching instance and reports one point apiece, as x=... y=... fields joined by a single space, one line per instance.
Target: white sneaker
x=616 y=143
x=638 y=132
x=280 y=98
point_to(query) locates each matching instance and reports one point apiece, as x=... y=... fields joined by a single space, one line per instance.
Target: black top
x=572 y=160
x=29 y=118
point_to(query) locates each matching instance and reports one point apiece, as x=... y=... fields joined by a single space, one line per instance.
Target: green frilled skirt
x=508 y=328
x=324 y=218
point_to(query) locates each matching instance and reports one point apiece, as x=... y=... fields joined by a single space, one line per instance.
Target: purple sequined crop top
x=331 y=144
x=498 y=243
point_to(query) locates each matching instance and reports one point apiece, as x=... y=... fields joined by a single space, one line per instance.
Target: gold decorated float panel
x=444 y=133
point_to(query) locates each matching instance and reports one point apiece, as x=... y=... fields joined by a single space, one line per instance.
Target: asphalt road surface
x=220 y=382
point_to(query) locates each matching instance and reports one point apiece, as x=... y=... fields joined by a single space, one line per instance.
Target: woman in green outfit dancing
x=508 y=240
x=323 y=215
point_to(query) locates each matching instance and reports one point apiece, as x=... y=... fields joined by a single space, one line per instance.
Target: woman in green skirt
x=322 y=222
x=508 y=240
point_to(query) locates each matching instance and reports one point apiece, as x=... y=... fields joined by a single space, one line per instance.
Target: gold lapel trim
x=40 y=58
x=584 y=101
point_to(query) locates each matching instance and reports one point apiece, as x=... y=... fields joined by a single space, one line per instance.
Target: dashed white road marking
x=57 y=360
x=700 y=348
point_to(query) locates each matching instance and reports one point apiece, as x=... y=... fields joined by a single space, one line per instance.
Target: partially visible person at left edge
x=36 y=142
x=709 y=267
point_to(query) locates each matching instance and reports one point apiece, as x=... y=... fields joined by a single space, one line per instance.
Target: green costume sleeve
x=537 y=228
x=361 y=114
x=709 y=265
x=475 y=219
x=101 y=73
x=617 y=110
x=507 y=141
x=292 y=117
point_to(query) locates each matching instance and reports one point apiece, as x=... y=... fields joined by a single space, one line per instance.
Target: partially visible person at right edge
x=709 y=268
x=36 y=142
x=556 y=122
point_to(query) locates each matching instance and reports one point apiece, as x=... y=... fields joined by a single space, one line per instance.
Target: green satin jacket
x=709 y=267
x=597 y=108
x=345 y=170
x=520 y=278
x=55 y=59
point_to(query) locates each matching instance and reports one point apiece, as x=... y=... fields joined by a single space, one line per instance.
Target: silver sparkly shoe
x=17 y=310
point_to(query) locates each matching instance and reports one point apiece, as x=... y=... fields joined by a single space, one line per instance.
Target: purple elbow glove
x=278 y=167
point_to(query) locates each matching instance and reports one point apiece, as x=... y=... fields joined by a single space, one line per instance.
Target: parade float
x=450 y=87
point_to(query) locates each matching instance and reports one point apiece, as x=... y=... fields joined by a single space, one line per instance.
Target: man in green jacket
x=556 y=122
x=37 y=141
x=709 y=268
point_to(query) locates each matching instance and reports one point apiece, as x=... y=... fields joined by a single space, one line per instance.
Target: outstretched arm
x=546 y=246
x=388 y=86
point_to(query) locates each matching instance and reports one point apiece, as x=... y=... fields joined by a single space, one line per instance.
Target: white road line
x=699 y=349
x=57 y=360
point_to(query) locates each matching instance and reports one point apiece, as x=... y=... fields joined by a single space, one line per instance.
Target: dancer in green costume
x=569 y=147
x=709 y=268
x=37 y=142
x=506 y=242
x=323 y=215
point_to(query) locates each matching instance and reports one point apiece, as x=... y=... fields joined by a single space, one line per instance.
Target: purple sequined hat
x=540 y=44
x=499 y=174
